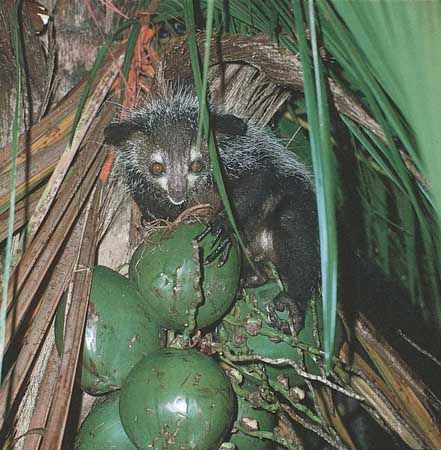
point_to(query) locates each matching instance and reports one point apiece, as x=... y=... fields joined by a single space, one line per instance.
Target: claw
x=220 y=245
x=275 y=320
x=296 y=319
x=221 y=250
x=205 y=233
x=226 y=245
x=218 y=235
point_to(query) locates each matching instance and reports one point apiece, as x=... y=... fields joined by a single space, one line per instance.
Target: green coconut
x=119 y=332
x=177 y=399
x=102 y=428
x=175 y=282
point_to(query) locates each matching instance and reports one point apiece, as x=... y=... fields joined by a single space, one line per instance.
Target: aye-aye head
x=157 y=155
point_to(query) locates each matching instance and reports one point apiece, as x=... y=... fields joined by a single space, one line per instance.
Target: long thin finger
x=218 y=234
x=226 y=245
x=201 y=236
x=214 y=254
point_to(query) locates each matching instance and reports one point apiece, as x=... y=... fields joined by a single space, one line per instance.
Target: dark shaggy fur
x=271 y=192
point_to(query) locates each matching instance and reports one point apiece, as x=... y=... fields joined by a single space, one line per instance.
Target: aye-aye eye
x=157 y=168
x=196 y=166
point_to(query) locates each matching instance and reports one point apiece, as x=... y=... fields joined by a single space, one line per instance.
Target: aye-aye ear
x=229 y=125
x=117 y=133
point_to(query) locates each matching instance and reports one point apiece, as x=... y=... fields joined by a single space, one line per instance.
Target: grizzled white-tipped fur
x=257 y=149
x=175 y=102
x=169 y=104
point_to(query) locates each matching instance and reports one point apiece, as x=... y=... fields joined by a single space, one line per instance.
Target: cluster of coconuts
x=153 y=396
